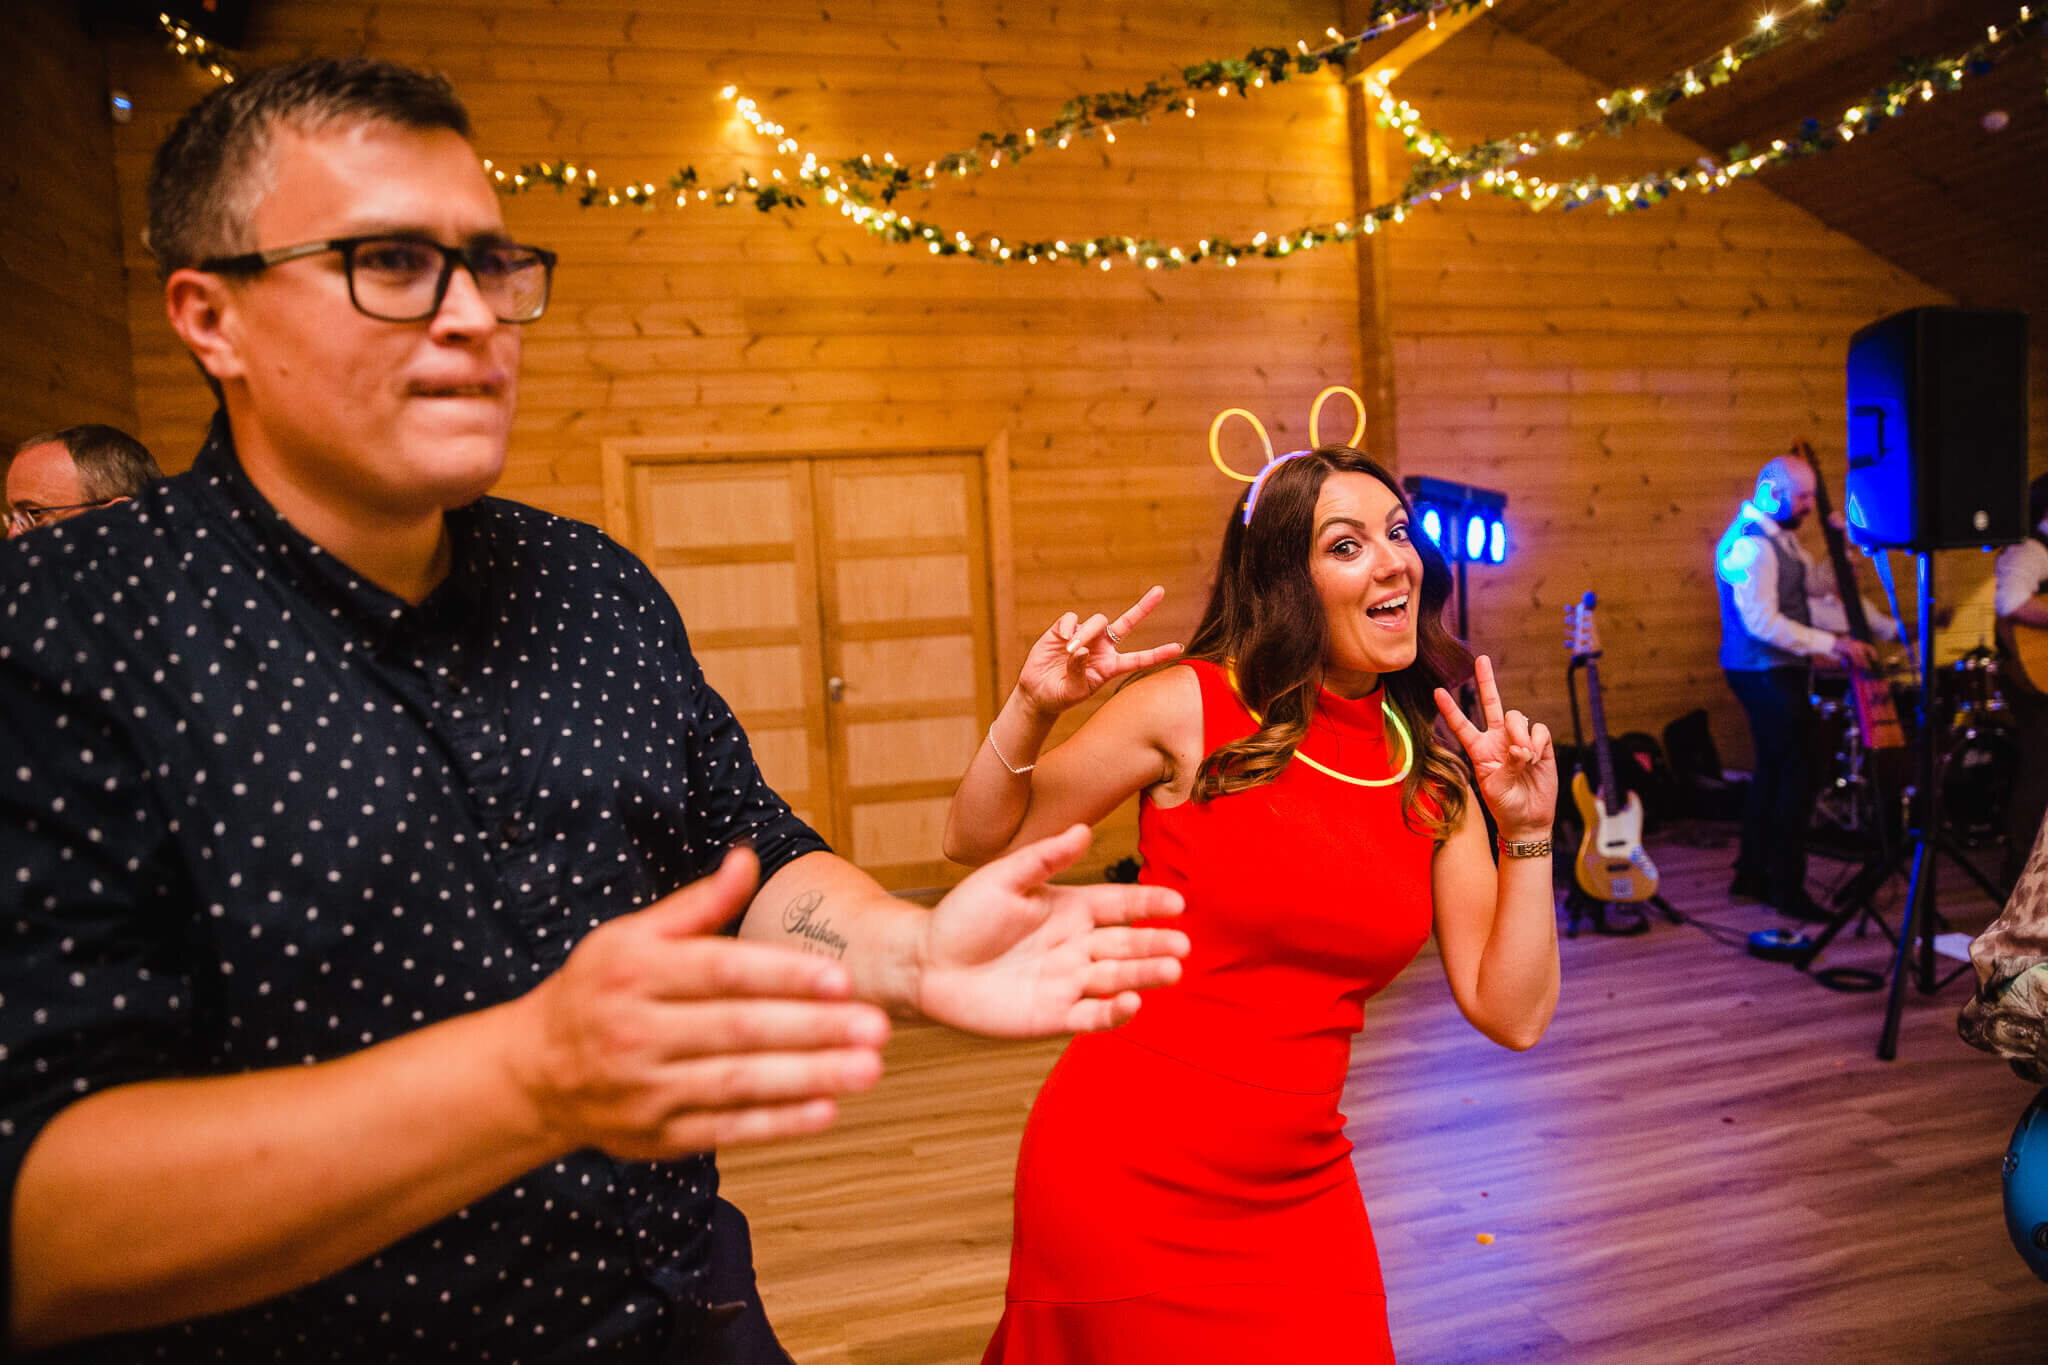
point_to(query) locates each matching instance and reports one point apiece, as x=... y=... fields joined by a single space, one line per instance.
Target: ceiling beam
x=1416 y=46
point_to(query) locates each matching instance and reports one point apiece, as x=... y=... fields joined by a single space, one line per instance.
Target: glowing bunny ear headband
x=1273 y=461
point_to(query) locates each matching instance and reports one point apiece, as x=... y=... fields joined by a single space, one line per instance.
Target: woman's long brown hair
x=1265 y=622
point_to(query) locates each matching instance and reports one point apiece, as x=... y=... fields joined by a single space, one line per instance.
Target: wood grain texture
x=730 y=329
x=1702 y=1161
x=1622 y=378
x=1939 y=192
x=64 y=352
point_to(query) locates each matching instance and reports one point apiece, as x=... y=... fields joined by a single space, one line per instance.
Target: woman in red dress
x=1184 y=1190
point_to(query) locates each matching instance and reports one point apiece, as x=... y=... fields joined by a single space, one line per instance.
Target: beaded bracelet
x=1014 y=772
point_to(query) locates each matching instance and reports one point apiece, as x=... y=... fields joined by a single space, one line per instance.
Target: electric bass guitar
x=1611 y=865
x=1877 y=716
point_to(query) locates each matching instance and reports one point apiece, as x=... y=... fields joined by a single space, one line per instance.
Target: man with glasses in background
x=364 y=840
x=59 y=474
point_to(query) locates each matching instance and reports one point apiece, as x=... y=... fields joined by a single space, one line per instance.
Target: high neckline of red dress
x=1358 y=715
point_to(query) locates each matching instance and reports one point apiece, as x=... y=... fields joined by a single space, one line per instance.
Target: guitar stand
x=1616 y=919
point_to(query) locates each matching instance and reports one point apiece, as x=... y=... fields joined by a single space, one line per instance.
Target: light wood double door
x=841 y=607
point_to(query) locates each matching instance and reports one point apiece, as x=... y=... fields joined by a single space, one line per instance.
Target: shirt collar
x=314 y=572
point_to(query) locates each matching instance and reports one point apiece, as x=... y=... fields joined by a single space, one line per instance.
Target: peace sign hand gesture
x=1514 y=760
x=1074 y=658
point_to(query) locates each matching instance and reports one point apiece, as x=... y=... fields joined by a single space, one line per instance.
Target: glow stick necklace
x=1386 y=709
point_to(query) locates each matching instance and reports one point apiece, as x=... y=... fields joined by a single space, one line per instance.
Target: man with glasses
x=61 y=474
x=365 y=838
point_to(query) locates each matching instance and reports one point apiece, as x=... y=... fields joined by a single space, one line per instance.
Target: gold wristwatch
x=1525 y=848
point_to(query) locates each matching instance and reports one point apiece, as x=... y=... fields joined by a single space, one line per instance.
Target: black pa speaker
x=1938 y=429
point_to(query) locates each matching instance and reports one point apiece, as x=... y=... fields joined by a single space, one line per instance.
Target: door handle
x=835 y=688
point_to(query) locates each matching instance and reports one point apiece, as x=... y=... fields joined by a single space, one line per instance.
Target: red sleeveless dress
x=1184 y=1191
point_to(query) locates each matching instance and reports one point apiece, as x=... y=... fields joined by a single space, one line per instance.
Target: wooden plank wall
x=786 y=329
x=1623 y=378
x=64 y=345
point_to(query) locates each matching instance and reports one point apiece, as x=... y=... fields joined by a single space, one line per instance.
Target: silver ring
x=1114 y=638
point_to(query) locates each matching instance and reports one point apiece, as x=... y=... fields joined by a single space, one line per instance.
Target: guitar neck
x=1838 y=555
x=1845 y=582
x=1609 y=797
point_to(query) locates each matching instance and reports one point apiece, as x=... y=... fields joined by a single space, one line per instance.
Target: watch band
x=1525 y=848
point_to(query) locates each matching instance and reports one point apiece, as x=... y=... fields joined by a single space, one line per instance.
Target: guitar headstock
x=1581 y=636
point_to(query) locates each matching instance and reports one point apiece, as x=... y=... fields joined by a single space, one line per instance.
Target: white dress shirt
x=1756 y=598
x=2020 y=570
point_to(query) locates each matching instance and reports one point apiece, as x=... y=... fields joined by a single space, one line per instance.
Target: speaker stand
x=1925 y=840
x=1854 y=902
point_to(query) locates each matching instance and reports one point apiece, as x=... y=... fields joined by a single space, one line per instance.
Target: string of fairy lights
x=869 y=180
x=1486 y=163
x=863 y=187
x=1620 y=111
x=186 y=42
x=1487 y=166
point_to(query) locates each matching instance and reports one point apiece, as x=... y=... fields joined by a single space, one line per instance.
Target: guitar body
x=2024 y=655
x=1877 y=716
x=1611 y=865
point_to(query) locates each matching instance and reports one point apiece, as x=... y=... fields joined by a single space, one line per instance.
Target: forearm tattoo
x=801 y=917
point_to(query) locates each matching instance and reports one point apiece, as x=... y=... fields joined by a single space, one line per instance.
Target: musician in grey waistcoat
x=1779 y=613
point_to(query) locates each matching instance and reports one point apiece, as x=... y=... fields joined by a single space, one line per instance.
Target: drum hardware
x=1978 y=769
x=1845 y=801
x=1973 y=694
x=1927 y=836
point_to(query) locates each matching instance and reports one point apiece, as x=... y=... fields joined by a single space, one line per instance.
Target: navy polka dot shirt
x=256 y=812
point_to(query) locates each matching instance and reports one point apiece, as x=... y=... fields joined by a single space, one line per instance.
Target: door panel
x=706 y=510
x=724 y=597
x=902 y=548
x=900 y=841
x=735 y=547
x=841 y=606
x=889 y=587
x=922 y=750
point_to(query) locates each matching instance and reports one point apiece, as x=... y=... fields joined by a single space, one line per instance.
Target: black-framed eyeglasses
x=404 y=279
x=30 y=516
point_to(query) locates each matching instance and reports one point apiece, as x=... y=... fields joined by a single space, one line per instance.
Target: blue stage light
x=1467 y=524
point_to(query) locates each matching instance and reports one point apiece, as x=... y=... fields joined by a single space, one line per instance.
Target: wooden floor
x=1703 y=1161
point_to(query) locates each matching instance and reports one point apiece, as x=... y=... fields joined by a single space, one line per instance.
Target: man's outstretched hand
x=1010 y=956
x=657 y=1038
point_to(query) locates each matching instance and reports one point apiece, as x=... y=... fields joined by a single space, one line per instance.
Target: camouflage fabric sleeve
x=2008 y=1014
